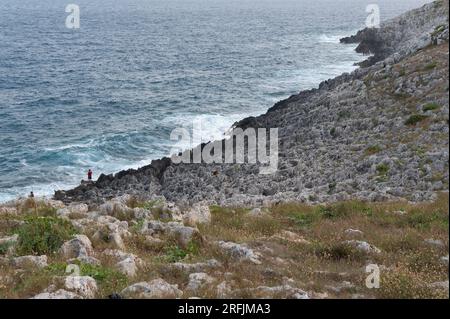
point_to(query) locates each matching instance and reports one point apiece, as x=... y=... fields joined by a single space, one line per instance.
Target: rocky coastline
x=362 y=181
x=327 y=134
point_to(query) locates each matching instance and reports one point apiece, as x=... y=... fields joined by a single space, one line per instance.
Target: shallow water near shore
x=107 y=96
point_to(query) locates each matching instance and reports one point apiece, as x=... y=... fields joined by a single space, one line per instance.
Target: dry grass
x=399 y=229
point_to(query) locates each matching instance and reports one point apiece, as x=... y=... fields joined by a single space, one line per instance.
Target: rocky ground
x=362 y=179
x=125 y=248
x=379 y=133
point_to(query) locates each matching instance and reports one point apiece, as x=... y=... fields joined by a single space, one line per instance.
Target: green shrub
x=333 y=132
x=415 y=118
x=382 y=169
x=303 y=219
x=344 y=209
x=174 y=253
x=43 y=235
x=438 y=30
x=430 y=66
x=424 y=220
x=431 y=107
x=338 y=251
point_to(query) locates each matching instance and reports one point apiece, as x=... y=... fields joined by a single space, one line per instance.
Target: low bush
x=43 y=235
x=414 y=119
x=431 y=107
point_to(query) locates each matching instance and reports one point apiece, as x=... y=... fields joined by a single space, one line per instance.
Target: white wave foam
x=323 y=38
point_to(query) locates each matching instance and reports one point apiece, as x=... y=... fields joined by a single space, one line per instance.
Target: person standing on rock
x=89 y=175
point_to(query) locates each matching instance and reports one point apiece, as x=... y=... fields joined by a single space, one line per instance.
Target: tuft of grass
x=303 y=220
x=38 y=208
x=415 y=118
x=430 y=66
x=419 y=220
x=234 y=224
x=4 y=247
x=43 y=235
x=431 y=107
x=438 y=30
x=371 y=150
x=337 y=252
x=382 y=169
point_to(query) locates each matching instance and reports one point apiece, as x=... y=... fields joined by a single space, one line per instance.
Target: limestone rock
x=30 y=261
x=59 y=294
x=77 y=247
x=197 y=267
x=199 y=214
x=239 y=252
x=155 y=289
x=182 y=234
x=198 y=281
x=82 y=285
x=362 y=246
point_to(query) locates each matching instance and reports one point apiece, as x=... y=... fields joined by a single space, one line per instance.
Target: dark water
x=107 y=96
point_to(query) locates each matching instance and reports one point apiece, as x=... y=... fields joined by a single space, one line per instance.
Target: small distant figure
x=89 y=175
x=31 y=195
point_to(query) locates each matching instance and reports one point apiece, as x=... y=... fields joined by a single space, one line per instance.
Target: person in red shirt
x=89 y=175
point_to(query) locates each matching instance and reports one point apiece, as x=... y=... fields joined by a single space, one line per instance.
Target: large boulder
x=117 y=209
x=126 y=263
x=239 y=252
x=79 y=246
x=81 y=285
x=183 y=235
x=127 y=266
x=79 y=209
x=198 y=214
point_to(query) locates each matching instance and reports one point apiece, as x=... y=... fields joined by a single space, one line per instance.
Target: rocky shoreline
x=362 y=180
x=346 y=139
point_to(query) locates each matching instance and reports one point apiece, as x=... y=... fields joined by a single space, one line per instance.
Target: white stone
x=59 y=294
x=363 y=246
x=199 y=280
x=435 y=242
x=444 y=260
x=127 y=266
x=239 y=252
x=155 y=289
x=81 y=285
x=198 y=214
